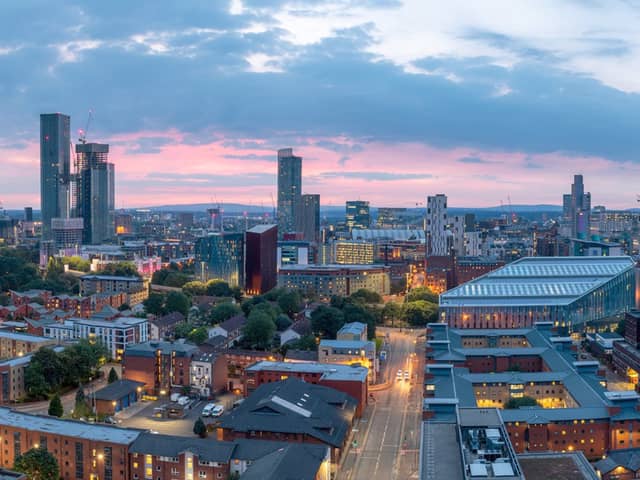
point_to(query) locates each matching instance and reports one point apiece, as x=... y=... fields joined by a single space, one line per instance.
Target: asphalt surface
x=388 y=434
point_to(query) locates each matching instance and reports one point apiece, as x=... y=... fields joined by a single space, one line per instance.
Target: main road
x=387 y=437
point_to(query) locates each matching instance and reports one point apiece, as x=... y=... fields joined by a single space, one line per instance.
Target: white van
x=208 y=408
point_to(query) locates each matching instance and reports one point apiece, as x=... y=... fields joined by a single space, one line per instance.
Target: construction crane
x=83 y=133
x=273 y=205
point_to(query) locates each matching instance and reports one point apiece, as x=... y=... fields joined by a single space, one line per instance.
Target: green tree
x=17 y=269
x=51 y=366
x=124 y=307
x=421 y=293
x=367 y=296
x=290 y=303
x=259 y=330
x=194 y=288
x=198 y=335
x=358 y=313
x=521 y=402
x=273 y=294
x=81 y=408
x=249 y=304
x=308 y=342
x=218 y=288
x=326 y=321
x=177 y=302
x=154 y=304
x=223 y=312
x=392 y=311
x=37 y=464
x=199 y=428
x=267 y=308
x=419 y=313
x=120 y=269
x=283 y=322
x=77 y=263
x=55 y=406
x=113 y=376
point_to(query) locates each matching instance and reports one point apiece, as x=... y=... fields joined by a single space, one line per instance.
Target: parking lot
x=144 y=418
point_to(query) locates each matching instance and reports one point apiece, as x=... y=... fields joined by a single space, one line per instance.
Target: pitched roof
x=294 y=406
x=169 y=319
x=117 y=390
x=173 y=446
x=295 y=461
x=234 y=323
x=301 y=327
x=629 y=459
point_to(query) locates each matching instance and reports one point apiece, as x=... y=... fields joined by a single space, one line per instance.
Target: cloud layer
x=386 y=100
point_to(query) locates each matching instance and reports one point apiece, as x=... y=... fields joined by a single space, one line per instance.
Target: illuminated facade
x=353 y=252
x=571 y=292
x=357 y=215
x=221 y=256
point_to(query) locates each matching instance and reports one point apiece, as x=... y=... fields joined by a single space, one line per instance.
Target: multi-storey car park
x=483 y=369
x=571 y=292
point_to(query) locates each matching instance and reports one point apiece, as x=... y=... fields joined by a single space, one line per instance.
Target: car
x=183 y=400
x=399 y=375
x=175 y=397
x=110 y=420
x=208 y=408
x=406 y=375
x=217 y=411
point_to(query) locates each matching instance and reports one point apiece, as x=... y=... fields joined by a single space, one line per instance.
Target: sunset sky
x=386 y=100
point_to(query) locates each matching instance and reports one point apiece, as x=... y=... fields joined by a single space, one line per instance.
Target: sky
x=386 y=100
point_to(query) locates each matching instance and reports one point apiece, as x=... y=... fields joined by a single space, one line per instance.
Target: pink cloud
x=176 y=170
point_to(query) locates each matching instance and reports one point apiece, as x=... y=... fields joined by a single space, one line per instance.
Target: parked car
x=238 y=402
x=208 y=408
x=217 y=411
x=399 y=375
x=175 y=397
x=183 y=400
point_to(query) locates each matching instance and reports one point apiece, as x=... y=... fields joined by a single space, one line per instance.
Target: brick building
x=347 y=379
x=159 y=365
x=18 y=344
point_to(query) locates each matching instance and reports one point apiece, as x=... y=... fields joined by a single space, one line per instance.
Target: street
x=388 y=434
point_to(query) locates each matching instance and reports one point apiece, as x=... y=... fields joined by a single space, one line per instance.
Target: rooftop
x=567 y=466
x=261 y=228
x=538 y=280
x=111 y=277
x=353 y=344
x=294 y=461
x=71 y=428
x=172 y=446
x=329 y=371
x=117 y=390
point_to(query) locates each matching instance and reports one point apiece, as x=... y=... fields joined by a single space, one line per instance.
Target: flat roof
x=538 y=280
x=261 y=228
x=72 y=428
x=329 y=371
x=357 y=344
x=440 y=455
x=544 y=466
x=479 y=417
x=24 y=337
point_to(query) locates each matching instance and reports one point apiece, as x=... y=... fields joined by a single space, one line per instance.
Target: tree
x=223 y=312
x=521 y=402
x=177 y=302
x=218 y=288
x=34 y=382
x=367 y=296
x=326 y=321
x=120 y=269
x=154 y=304
x=198 y=335
x=290 y=303
x=17 y=269
x=358 y=313
x=249 y=304
x=421 y=293
x=55 y=406
x=113 y=376
x=199 y=428
x=37 y=464
x=391 y=312
x=283 y=322
x=77 y=263
x=259 y=330
x=123 y=307
x=419 y=313
x=194 y=288
x=80 y=408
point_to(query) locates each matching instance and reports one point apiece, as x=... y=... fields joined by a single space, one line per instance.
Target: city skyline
x=461 y=100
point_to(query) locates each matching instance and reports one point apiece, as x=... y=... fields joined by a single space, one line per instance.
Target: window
x=202 y=474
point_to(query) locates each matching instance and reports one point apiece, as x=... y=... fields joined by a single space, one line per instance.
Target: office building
x=221 y=256
x=124 y=223
x=28 y=214
x=294 y=252
x=353 y=252
x=571 y=292
x=391 y=217
x=289 y=190
x=437 y=235
x=328 y=280
x=95 y=192
x=310 y=218
x=357 y=215
x=576 y=209
x=55 y=168
x=261 y=259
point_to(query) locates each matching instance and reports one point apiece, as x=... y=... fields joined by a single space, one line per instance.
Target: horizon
x=383 y=99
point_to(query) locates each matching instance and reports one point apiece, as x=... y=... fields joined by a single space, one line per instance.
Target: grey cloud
x=473 y=160
x=372 y=176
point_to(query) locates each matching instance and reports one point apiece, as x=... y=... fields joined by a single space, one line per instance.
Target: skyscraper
x=221 y=255
x=261 y=246
x=94 y=196
x=289 y=190
x=436 y=226
x=357 y=214
x=576 y=209
x=309 y=217
x=55 y=168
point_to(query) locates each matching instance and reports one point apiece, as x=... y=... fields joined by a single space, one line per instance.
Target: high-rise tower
x=436 y=226
x=576 y=209
x=289 y=190
x=357 y=214
x=94 y=196
x=55 y=168
x=310 y=217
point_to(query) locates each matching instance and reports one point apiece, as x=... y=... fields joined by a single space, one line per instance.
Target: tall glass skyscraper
x=55 y=168
x=94 y=198
x=310 y=217
x=289 y=190
x=357 y=215
x=221 y=255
